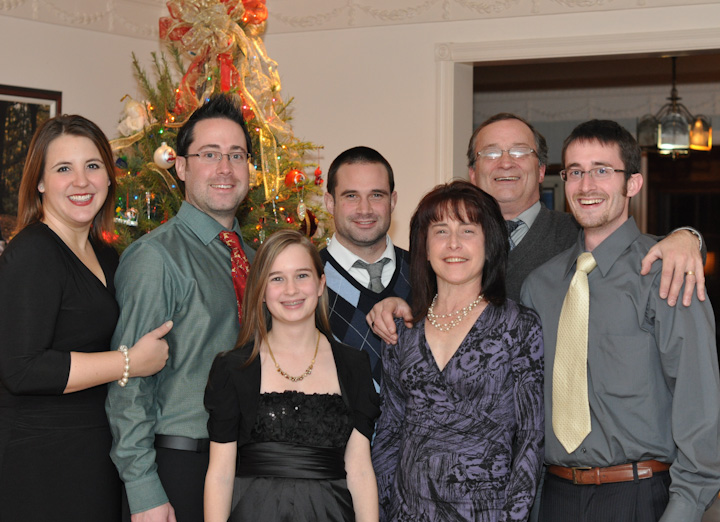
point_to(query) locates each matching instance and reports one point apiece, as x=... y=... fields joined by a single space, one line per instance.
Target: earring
x=41 y=187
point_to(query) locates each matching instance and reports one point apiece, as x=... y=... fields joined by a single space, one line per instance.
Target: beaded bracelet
x=126 y=371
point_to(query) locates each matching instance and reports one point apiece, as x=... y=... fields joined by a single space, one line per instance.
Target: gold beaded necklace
x=305 y=373
x=455 y=317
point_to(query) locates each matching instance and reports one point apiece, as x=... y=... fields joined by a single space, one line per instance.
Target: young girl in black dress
x=291 y=410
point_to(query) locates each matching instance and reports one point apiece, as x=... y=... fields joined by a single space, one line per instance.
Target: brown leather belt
x=620 y=473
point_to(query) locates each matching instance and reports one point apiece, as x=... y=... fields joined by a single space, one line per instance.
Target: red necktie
x=240 y=266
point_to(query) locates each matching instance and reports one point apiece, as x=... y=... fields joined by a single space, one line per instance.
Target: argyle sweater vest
x=350 y=302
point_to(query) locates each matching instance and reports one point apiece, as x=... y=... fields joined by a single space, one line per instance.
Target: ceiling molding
x=139 y=18
x=589 y=45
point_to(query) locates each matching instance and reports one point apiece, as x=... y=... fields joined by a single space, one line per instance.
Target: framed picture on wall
x=552 y=192
x=22 y=110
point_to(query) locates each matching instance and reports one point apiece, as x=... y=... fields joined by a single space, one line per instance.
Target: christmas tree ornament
x=164 y=156
x=294 y=178
x=301 y=210
x=318 y=178
x=308 y=226
x=255 y=12
x=301 y=207
x=136 y=116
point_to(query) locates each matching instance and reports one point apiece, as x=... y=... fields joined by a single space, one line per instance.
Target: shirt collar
x=346 y=258
x=530 y=215
x=607 y=252
x=202 y=225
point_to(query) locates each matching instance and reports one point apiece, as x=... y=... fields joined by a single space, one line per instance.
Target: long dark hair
x=257 y=321
x=463 y=201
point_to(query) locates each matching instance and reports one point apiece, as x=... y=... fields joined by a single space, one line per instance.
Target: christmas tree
x=214 y=46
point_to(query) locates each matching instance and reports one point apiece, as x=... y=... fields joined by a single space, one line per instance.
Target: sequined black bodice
x=322 y=420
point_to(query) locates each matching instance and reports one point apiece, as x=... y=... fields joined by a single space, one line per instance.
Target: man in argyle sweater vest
x=362 y=266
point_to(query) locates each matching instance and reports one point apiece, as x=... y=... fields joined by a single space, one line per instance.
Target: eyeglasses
x=598 y=173
x=494 y=153
x=211 y=157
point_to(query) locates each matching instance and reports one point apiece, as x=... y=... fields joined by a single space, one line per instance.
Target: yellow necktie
x=571 y=410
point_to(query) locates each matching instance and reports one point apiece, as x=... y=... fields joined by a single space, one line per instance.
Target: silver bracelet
x=126 y=371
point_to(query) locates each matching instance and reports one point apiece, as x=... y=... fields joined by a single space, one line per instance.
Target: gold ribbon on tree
x=209 y=31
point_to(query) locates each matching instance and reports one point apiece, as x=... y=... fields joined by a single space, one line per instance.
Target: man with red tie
x=191 y=270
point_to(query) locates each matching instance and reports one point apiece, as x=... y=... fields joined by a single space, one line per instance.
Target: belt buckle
x=575 y=469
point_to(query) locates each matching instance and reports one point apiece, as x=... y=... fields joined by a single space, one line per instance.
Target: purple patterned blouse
x=465 y=443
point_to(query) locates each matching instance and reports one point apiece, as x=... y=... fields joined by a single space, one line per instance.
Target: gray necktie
x=511 y=226
x=375 y=271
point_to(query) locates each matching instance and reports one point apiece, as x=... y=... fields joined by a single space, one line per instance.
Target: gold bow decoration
x=209 y=31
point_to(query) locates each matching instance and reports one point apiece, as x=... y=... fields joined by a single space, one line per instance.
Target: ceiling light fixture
x=673 y=130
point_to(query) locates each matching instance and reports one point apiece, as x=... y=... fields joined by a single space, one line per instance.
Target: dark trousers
x=182 y=474
x=639 y=501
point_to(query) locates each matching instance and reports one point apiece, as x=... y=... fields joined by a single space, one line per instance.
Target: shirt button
x=584 y=450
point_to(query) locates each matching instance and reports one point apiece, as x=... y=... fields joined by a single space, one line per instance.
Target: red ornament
x=256 y=12
x=294 y=177
x=318 y=178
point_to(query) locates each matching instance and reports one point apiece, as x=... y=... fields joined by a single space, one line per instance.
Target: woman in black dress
x=291 y=410
x=57 y=315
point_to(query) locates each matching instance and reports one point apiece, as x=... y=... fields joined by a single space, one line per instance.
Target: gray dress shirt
x=653 y=383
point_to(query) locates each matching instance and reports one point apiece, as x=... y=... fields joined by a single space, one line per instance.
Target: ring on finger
x=689 y=273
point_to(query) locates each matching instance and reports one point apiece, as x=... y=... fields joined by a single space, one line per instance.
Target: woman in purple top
x=460 y=436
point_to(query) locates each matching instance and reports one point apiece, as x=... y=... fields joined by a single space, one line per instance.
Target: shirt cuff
x=146 y=493
x=680 y=510
x=694 y=232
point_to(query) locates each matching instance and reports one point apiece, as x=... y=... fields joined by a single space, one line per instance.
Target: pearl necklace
x=455 y=317
x=305 y=373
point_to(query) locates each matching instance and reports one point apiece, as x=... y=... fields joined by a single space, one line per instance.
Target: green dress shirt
x=653 y=383
x=180 y=271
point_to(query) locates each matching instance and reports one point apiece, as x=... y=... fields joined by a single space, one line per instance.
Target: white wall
x=93 y=70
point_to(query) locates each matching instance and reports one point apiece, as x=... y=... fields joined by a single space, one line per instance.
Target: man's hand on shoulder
x=681 y=263
x=163 y=513
x=381 y=318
